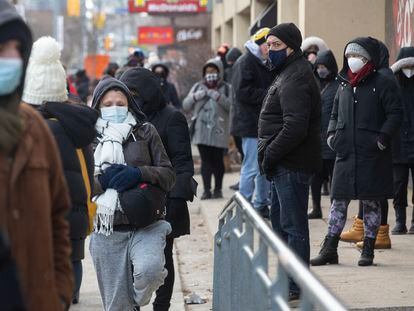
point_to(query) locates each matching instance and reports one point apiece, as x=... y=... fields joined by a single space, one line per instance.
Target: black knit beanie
x=289 y=34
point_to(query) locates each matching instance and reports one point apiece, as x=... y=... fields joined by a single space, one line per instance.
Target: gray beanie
x=355 y=48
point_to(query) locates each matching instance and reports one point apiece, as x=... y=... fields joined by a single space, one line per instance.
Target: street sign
x=156 y=35
x=167 y=6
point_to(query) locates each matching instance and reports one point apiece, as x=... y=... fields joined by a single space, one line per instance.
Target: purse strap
x=91 y=205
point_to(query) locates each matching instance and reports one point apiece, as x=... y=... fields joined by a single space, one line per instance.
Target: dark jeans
x=164 y=293
x=78 y=273
x=212 y=164
x=290 y=192
x=401 y=173
x=318 y=179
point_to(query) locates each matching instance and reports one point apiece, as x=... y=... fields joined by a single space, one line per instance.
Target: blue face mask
x=11 y=71
x=114 y=114
x=278 y=58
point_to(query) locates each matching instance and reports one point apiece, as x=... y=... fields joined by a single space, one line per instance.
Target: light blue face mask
x=114 y=114
x=11 y=70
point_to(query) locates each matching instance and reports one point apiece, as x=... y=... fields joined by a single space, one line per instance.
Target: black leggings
x=325 y=173
x=164 y=293
x=384 y=211
x=212 y=164
x=238 y=142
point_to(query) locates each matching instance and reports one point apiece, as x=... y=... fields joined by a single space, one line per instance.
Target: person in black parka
x=173 y=130
x=162 y=71
x=403 y=145
x=366 y=115
x=327 y=70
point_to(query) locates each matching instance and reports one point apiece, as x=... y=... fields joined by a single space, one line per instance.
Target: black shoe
x=217 y=194
x=235 y=187
x=315 y=213
x=206 y=195
x=293 y=296
x=411 y=231
x=328 y=252
x=264 y=212
x=75 y=300
x=367 y=256
x=400 y=220
x=136 y=308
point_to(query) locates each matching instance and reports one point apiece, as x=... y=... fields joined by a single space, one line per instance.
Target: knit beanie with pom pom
x=45 y=75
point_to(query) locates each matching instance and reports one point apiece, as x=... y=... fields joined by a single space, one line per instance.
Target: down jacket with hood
x=212 y=117
x=168 y=89
x=34 y=198
x=360 y=117
x=330 y=86
x=251 y=80
x=143 y=149
x=73 y=127
x=173 y=130
x=403 y=144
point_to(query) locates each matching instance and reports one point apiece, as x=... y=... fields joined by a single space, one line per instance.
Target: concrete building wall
x=336 y=21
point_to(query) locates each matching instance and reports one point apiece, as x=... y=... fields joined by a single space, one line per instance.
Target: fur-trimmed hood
x=405 y=58
x=309 y=41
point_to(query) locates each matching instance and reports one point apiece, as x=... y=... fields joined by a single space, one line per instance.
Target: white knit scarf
x=109 y=151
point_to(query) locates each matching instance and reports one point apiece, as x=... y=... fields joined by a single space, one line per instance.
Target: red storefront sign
x=167 y=6
x=155 y=35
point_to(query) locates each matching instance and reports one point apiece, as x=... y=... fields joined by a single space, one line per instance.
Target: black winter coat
x=328 y=92
x=251 y=80
x=73 y=127
x=290 y=121
x=173 y=130
x=403 y=144
x=359 y=116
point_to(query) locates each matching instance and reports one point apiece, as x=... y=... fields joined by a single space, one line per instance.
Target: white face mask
x=355 y=64
x=408 y=72
x=114 y=114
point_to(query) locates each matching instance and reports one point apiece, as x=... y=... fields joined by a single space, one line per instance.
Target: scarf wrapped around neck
x=109 y=151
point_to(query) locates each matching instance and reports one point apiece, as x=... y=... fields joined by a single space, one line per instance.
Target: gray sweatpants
x=129 y=265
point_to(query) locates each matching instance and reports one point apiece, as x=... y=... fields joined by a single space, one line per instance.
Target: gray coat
x=212 y=117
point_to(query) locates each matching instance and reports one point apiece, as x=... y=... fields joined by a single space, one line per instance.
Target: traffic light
x=73 y=8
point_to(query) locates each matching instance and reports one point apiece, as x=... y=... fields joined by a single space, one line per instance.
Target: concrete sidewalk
x=389 y=285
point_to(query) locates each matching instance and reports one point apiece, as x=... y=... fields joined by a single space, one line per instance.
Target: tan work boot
x=383 y=240
x=356 y=233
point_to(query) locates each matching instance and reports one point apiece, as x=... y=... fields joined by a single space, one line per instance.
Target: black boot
x=367 y=256
x=328 y=252
x=206 y=195
x=316 y=212
x=400 y=220
x=217 y=194
x=411 y=231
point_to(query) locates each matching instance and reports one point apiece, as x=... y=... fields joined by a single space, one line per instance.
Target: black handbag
x=143 y=204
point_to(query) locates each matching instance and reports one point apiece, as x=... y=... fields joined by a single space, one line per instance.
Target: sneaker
x=217 y=194
x=206 y=195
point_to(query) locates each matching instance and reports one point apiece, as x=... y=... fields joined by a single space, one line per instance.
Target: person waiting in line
x=209 y=100
x=365 y=117
x=162 y=71
x=327 y=69
x=173 y=130
x=129 y=154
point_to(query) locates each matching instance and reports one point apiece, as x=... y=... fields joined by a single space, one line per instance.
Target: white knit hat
x=45 y=75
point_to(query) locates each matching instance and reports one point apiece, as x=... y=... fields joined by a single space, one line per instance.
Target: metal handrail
x=241 y=278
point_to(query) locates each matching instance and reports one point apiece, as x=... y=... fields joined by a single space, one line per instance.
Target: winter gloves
x=108 y=174
x=120 y=177
x=199 y=95
x=213 y=94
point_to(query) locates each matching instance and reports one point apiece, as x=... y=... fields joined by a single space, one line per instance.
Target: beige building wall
x=336 y=21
